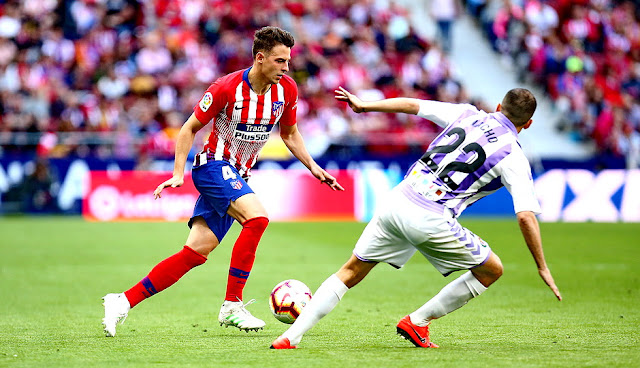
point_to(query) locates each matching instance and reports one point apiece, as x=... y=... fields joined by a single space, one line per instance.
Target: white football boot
x=116 y=309
x=235 y=314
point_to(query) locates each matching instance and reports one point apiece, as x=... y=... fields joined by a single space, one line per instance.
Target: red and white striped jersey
x=242 y=118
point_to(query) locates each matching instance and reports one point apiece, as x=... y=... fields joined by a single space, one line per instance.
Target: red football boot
x=419 y=336
x=282 y=343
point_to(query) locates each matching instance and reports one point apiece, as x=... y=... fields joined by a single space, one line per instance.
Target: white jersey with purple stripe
x=476 y=154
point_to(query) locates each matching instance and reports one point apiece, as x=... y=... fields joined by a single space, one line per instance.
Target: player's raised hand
x=326 y=178
x=354 y=102
x=174 y=182
x=548 y=279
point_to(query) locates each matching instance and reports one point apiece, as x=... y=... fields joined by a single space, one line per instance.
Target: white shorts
x=400 y=227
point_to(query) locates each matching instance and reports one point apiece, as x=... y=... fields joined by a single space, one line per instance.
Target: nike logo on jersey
x=239 y=107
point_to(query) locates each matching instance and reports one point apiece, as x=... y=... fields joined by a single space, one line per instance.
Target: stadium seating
x=117 y=78
x=586 y=55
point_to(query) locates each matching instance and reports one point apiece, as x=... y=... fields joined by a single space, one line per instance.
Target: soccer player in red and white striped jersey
x=244 y=107
x=242 y=118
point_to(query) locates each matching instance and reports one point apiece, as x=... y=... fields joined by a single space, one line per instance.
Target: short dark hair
x=266 y=38
x=518 y=105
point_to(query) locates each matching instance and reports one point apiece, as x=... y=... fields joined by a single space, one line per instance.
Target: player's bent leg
x=453 y=296
x=324 y=301
x=170 y=270
x=247 y=210
x=201 y=242
x=415 y=327
x=243 y=256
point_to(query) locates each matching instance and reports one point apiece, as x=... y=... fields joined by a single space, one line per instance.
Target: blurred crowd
x=117 y=78
x=586 y=54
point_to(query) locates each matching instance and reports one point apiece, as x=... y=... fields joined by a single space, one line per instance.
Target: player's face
x=276 y=63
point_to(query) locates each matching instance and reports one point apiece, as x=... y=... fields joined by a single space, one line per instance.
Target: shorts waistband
x=205 y=157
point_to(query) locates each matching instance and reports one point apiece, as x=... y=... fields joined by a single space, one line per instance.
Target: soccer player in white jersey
x=244 y=105
x=475 y=155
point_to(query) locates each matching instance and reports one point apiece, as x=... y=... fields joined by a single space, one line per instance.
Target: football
x=288 y=299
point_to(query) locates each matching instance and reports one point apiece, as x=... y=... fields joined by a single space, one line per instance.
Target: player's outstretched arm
x=400 y=104
x=183 y=146
x=531 y=232
x=293 y=140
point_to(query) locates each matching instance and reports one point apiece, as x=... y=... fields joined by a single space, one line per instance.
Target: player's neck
x=259 y=85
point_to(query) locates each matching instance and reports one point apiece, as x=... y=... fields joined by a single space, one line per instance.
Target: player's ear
x=528 y=124
x=260 y=57
x=499 y=107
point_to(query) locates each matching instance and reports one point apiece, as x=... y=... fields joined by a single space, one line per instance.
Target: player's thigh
x=381 y=241
x=246 y=207
x=451 y=247
x=201 y=238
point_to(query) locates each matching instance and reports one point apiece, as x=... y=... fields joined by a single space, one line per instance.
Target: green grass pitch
x=54 y=271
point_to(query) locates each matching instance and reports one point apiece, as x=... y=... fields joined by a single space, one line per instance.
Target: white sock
x=323 y=301
x=453 y=296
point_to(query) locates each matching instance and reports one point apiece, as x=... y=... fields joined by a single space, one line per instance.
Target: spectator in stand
x=445 y=12
x=113 y=86
x=584 y=53
x=577 y=28
x=94 y=66
x=10 y=21
x=153 y=58
x=541 y=16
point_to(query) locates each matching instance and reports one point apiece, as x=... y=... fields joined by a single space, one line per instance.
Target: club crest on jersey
x=206 y=101
x=277 y=108
x=236 y=184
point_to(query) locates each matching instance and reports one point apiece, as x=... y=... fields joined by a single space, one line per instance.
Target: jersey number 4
x=465 y=167
x=227 y=173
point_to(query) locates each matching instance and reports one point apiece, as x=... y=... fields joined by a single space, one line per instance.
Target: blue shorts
x=219 y=183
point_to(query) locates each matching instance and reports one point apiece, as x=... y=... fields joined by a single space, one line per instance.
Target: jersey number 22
x=465 y=167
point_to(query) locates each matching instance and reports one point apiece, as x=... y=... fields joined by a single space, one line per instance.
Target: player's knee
x=203 y=248
x=258 y=223
x=490 y=271
x=352 y=272
x=496 y=269
x=201 y=239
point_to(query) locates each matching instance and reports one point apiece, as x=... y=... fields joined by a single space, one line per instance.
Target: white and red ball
x=288 y=299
